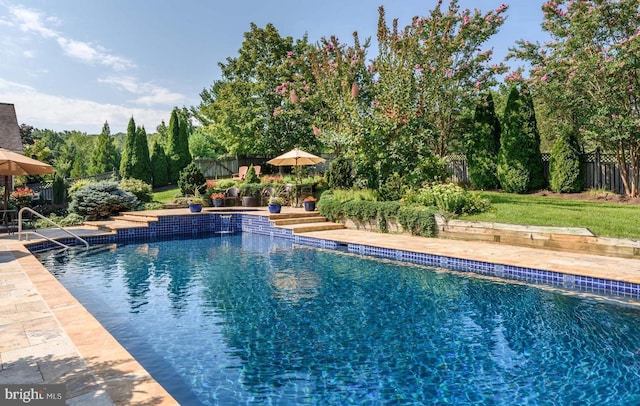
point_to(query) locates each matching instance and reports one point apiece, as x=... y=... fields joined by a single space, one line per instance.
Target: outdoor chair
x=242 y=173
x=231 y=196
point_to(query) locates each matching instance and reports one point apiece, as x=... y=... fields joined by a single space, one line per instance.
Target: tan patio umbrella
x=12 y=163
x=296 y=157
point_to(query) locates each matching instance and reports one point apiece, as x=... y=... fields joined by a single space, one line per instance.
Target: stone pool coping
x=46 y=336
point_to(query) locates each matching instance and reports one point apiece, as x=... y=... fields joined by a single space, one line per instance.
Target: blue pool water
x=244 y=318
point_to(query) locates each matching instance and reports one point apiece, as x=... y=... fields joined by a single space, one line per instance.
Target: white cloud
x=28 y=54
x=60 y=113
x=149 y=93
x=33 y=21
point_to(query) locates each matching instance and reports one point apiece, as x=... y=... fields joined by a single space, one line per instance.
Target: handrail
x=29 y=209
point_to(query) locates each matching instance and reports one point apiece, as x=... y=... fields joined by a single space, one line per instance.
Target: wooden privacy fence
x=225 y=167
x=600 y=170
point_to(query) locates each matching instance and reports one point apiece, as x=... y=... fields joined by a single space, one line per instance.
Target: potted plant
x=275 y=204
x=195 y=202
x=309 y=203
x=217 y=198
x=250 y=194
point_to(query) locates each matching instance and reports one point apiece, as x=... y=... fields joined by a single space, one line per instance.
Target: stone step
x=299 y=220
x=113 y=225
x=135 y=218
x=280 y=216
x=310 y=227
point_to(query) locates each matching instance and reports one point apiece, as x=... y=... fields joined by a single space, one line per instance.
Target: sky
x=74 y=64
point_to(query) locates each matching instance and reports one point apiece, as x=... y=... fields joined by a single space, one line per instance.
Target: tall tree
x=159 y=166
x=177 y=148
x=519 y=158
x=565 y=170
x=128 y=152
x=252 y=106
x=142 y=165
x=589 y=74
x=483 y=145
x=104 y=156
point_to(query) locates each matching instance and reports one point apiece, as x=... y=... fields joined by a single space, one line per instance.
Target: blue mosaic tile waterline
x=207 y=223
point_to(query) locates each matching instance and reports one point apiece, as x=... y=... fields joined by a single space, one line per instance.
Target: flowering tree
x=251 y=109
x=432 y=71
x=589 y=74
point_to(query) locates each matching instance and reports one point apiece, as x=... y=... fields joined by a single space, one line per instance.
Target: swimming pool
x=252 y=319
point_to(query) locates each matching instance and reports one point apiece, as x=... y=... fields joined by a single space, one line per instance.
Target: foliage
x=565 y=170
x=22 y=197
x=430 y=71
x=393 y=188
x=141 y=190
x=152 y=206
x=104 y=156
x=72 y=219
x=159 y=166
x=418 y=220
x=483 y=145
x=250 y=189
x=192 y=180
x=77 y=185
x=129 y=151
x=251 y=176
x=276 y=200
x=101 y=200
x=358 y=210
x=448 y=198
x=519 y=158
x=59 y=189
x=177 y=149
x=203 y=143
x=253 y=109
x=340 y=174
x=343 y=195
x=589 y=75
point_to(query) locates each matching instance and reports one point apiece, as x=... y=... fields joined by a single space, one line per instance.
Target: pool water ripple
x=248 y=319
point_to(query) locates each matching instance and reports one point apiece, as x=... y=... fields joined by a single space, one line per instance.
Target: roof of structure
x=9 y=128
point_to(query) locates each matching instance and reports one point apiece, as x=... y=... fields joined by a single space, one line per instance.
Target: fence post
x=598 y=177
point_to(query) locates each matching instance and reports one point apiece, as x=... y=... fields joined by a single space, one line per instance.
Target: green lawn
x=603 y=219
x=166 y=196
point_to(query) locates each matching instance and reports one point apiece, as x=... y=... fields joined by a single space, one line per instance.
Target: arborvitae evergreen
x=177 y=145
x=519 y=159
x=483 y=145
x=251 y=176
x=534 y=155
x=128 y=151
x=59 y=189
x=142 y=165
x=565 y=170
x=191 y=179
x=105 y=156
x=159 y=166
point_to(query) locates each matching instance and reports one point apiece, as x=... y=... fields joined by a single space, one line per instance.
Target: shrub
x=344 y=195
x=565 y=171
x=483 y=145
x=449 y=198
x=77 y=185
x=192 y=179
x=72 y=219
x=251 y=176
x=59 y=189
x=418 y=220
x=519 y=159
x=340 y=174
x=140 y=189
x=101 y=200
x=330 y=208
x=393 y=188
